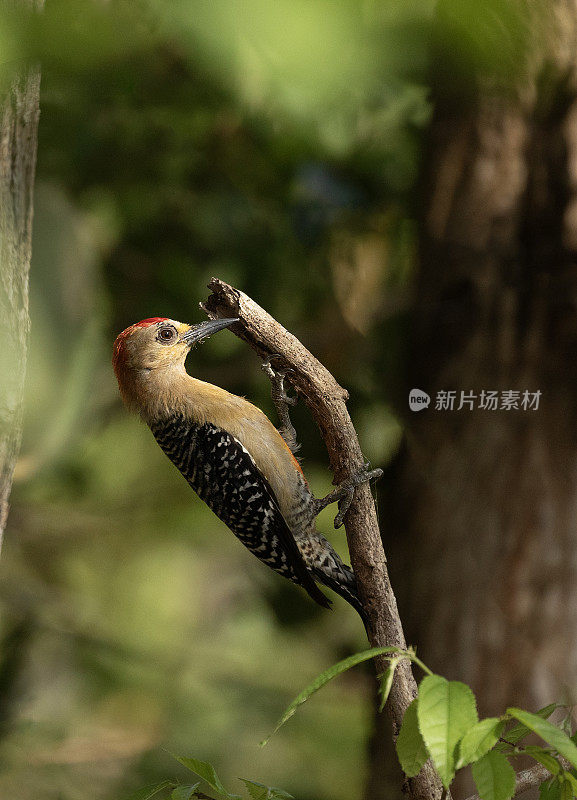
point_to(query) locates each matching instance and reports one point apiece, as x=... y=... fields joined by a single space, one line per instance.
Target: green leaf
x=206 y=771
x=566 y=791
x=544 y=758
x=572 y=780
x=550 y=790
x=258 y=791
x=327 y=676
x=149 y=791
x=411 y=748
x=387 y=681
x=184 y=792
x=478 y=740
x=548 y=732
x=518 y=732
x=494 y=777
x=445 y=711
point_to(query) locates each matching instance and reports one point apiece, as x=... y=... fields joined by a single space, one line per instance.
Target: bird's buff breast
x=202 y=402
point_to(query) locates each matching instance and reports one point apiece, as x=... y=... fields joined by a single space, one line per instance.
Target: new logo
x=418 y=400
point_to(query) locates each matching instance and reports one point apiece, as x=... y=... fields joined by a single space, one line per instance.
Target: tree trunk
x=486 y=501
x=19 y=112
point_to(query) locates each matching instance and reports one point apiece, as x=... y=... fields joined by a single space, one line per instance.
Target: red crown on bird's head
x=127 y=332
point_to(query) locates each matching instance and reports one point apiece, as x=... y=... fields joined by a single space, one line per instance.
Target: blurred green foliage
x=276 y=146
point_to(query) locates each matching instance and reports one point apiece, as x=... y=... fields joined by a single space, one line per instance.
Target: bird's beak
x=197 y=333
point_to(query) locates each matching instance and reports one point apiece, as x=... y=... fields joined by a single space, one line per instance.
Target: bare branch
x=327 y=403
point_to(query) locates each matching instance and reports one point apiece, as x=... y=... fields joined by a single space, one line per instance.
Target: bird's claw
x=347 y=488
x=277 y=377
x=282 y=401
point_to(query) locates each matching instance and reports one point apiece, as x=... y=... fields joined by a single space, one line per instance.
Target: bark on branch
x=327 y=403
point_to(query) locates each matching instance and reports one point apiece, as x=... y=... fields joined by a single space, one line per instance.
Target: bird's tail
x=343 y=583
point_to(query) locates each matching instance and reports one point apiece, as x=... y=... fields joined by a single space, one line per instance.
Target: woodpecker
x=232 y=455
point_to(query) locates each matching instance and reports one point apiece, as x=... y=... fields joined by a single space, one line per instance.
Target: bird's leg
x=344 y=492
x=282 y=401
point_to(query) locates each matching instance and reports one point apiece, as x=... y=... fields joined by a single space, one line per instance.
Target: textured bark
x=486 y=501
x=327 y=403
x=19 y=112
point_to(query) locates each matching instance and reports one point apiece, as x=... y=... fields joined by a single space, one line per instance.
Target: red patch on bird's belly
x=295 y=459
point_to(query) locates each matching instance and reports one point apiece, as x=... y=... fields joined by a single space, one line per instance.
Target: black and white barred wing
x=223 y=474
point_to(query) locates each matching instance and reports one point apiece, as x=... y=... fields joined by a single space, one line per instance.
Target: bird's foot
x=277 y=378
x=344 y=492
x=282 y=401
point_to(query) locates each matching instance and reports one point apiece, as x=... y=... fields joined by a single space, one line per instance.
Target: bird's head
x=157 y=344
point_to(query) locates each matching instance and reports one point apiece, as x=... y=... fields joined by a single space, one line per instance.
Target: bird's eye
x=166 y=334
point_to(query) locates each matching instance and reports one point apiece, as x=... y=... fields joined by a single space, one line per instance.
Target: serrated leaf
x=387 y=681
x=445 y=711
x=207 y=772
x=548 y=732
x=518 y=732
x=544 y=758
x=494 y=777
x=149 y=791
x=184 y=792
x=258 y=791
x=411 y=749
x=478 y=740
x=325 y=677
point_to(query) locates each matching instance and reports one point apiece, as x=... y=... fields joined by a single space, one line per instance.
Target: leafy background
x=276 y=146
